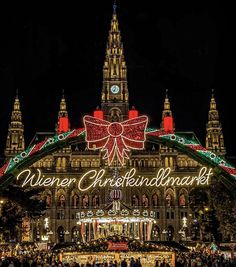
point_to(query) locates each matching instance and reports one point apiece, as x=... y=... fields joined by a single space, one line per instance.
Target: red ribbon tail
x=121 y=150
x=110 y=150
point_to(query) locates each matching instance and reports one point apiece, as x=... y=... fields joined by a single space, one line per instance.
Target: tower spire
x=15 y=137
x=115 y=94
x=214 y=136
x=114 y=7
x=212 y=93
x=167 y=111
x=63 y=111
x=63 y=120
x=167 y=119
x=167 y=125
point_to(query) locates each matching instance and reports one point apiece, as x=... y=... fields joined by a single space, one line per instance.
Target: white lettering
x=96 y=178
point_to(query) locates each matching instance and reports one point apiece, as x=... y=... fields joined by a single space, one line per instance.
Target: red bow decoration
x=115 y=138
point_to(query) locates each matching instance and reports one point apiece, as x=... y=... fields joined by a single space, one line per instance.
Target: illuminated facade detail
x=116 y=138
x=15 y=137
x=115 y=89
x=214 y=135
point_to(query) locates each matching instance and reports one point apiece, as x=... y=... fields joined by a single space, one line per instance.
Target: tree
x=225 y=206
x=214 y=213
x=16 y=203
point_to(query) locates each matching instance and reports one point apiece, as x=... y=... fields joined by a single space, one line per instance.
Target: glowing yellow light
x=96 y=178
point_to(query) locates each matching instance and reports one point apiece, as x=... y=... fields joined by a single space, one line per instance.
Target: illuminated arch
x=178 y=141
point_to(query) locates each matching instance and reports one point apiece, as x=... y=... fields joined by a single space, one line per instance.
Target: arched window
x=155 y=200
x=171 y=164
x=75 y=201
x=115 y=114
x=85 y=201
x=166 y=162
x=58 y=164
x=182 y=200
x=135 y=201
x=63 y=162
x=48 y=200
x=169 y=198
x=145 y=201
x=95 y=201
x=61 y=201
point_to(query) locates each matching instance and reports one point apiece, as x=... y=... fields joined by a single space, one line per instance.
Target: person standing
x=138 y=263
x=132 y=262
x=164 y=264
x=124 y=263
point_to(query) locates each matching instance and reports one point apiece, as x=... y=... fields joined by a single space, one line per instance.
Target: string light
x=96 y=178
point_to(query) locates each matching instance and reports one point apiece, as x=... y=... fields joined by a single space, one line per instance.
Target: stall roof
x=171 y=244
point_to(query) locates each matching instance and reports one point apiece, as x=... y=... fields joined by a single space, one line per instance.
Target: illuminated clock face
x=115 y=89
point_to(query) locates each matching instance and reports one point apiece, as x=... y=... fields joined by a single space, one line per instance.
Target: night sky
x=187 y=48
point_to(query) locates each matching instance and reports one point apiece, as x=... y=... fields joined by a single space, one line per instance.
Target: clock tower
x=115 y=96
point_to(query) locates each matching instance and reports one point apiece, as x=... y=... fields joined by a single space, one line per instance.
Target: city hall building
x=113 y=183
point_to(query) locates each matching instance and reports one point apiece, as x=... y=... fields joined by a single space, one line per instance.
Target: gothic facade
x=164 y=211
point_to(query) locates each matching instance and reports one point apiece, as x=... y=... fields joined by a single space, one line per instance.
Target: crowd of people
x=46 y=261
x=186 y=259
x=204 y=259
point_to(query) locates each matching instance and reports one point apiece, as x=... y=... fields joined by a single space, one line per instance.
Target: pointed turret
x=63 y=124
x=115 y=94
x=214 y=136
x=15 y=137
x=167 y=123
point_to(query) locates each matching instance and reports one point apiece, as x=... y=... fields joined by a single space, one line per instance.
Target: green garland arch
x=179 y=141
